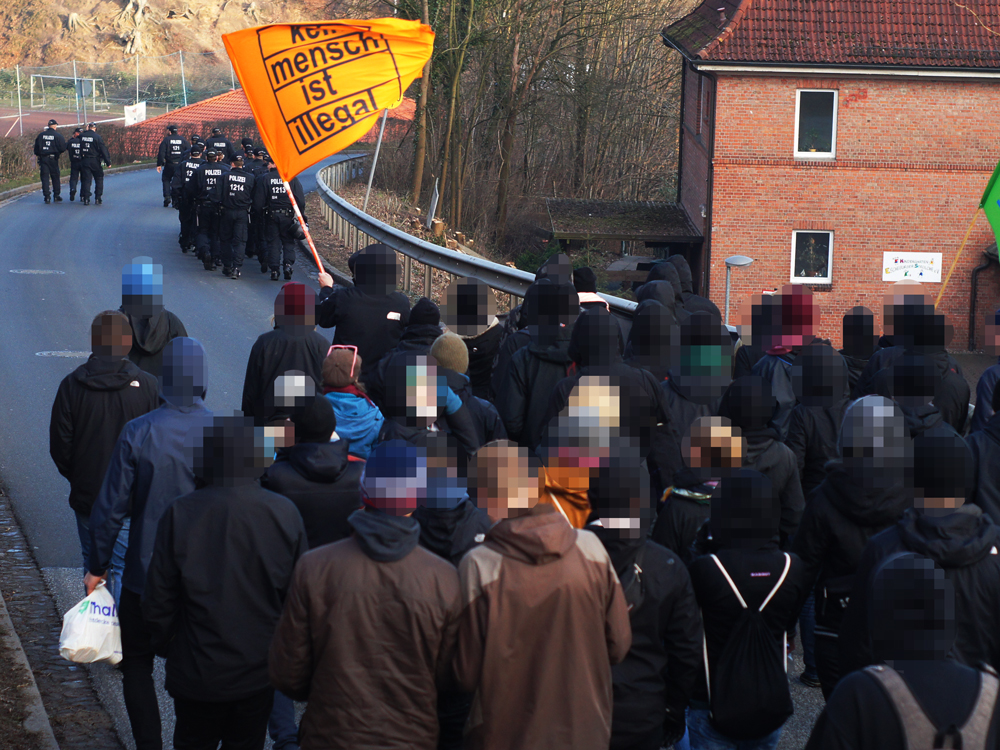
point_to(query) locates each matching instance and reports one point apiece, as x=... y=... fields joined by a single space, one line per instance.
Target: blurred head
x=860 y=338
x=231 y=451
x=395 y=478
x=184 y=378
x=142 y=288
x=911 y=610
x=470 y=307
x=557 y=307
x=703 y=358
x=748 y=403
x=619 y=493
x=650 y=338
x=910 y=318
x=595 y=340
x=760 y=320
x=993 y=333
x=875 y=444
x=713 y=443
x=413 y=390
x=913 y=380
x=425 y=313
x=943 y=474
x=558 y=269
x=451 y=353
x=295 y=305
x=110 y=334
x=504 y=479
x=446 y=483
x=819 y=376
x=747 y=512
x=584 y=280
x=375 y=270
x=799 y=316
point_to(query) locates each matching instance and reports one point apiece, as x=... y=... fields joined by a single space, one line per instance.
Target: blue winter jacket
x=358 y=420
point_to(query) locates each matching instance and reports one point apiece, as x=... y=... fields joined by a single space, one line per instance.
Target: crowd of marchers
x=553 y=529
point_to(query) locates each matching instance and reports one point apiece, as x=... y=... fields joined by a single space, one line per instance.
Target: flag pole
x=957 y=256
x=305 y=229
x=378 y=145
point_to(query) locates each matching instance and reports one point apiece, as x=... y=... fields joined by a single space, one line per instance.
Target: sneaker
x=210 y=266
x=166 y=203
x=288 y=272
x=58 y=199
x=97 y=201
x=235 y=274
x=227 y=272
x=810 y=679
x=275 y=275
x=85 y=201
x=47 y=199
x=72 y=196
x=184 y=249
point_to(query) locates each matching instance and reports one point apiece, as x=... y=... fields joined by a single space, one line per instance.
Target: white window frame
x=828 y=279
x=832 y=153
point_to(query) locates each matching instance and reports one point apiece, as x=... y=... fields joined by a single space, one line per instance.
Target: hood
x=556 y=352
x=439 y=528
x=595 y=340
x=649 y=339
x=382 y=537
x=539 y=538
x=662 y=292
x=702 y=359
x=184 y=379
x=920 y=418
x=748 y=404
x=457 y=382
x=819 y=376
x=622 y=552
x=747 y=512
x=101 y=373
x=375 y=271
x=757 y=442
x=149 y=334
x=323 y=463
x=957 y=540
x=683 y=272
x=871 y=504
x=667 y=272
x=558 y=269
x=418 y=337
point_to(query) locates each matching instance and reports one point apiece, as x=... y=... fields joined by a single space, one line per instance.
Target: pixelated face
x=595 y=402
x=422 y=391
x=295 y=305
x=819 y=376
x=395 y=479
x=505 y=482
x=993 y=334
x=875 y=443
x=746 y=514
x=620 y=493
x=230 y=450
x=293 y=390
x=185 y=376
x=376 y=270
x=911 y=610
x=713 y=443
x=470 y=307
x=142 y=288
x=800 y=316
x=111 y=335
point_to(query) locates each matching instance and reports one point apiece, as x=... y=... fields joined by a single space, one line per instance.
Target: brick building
x=815 y=136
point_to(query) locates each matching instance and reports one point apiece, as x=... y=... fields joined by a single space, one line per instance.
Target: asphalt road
x=74 y=255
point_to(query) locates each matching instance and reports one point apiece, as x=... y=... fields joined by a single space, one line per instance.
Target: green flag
x=991 y=202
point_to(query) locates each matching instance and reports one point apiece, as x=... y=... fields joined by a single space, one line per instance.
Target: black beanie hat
x=585 y=280
x=747 y=512
x=748 y=403
x=316 y=422
x=942 y=466
x=425 y=312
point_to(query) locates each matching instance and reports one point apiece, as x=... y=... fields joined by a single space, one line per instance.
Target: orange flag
x=317 y=88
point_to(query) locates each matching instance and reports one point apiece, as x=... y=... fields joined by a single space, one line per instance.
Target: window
x=815 y=124
x=812 y=257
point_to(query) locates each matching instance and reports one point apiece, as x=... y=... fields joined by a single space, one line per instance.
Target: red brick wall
x=912 y=160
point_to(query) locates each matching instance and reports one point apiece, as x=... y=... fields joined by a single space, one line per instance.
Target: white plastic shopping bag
x=90 y=631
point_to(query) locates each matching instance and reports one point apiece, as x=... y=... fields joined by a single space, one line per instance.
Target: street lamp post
x=734 y=260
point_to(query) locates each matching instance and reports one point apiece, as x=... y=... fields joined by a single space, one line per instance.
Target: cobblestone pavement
x=78 y=719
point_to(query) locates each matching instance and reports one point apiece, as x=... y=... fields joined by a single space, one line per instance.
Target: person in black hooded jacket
x=957 y=536
x=92 y=405
x=692 y=302
x=421 y=331
x=470 y=311
x=153 y=327
x=293 y=344
x=536 y=369
x=668 y=272
x=661 y=291
x=860 y=343
x=819 y=380
x=911 y=381
x=985 y=447
x=649 y=339
x=653 y=683
x=370 y=315
x=320 y=477
x=758 y=319
x=593 y=347
x=863 y=493
x=516 y=339
x=913 y=624
x=748 y=403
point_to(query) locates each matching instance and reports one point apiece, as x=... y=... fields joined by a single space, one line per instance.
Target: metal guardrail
x=358 y=229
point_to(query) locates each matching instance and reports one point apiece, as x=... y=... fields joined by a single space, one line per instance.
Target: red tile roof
x=912 y=33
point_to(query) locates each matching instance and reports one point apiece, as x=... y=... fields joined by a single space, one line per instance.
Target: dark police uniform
x=281 y=228
x=48 y=146
x=183 y=202
x=255 y=239
x=93 y=153
x=221 y=145
x=237 y=197
x=74 y=147
x=168 y=157
x=205 y=188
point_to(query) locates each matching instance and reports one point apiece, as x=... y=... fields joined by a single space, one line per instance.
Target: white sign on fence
x=922 y=267
x=135 y=113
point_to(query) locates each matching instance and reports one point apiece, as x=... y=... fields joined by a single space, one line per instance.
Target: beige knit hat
x=450 y=352
x=337 y=370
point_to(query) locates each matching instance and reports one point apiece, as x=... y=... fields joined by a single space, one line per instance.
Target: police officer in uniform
x=74 y=147
x=221 y=145
x=247 y=144
x=281 y=228
x=255 y=238
x=49 y=145
x=205 y=188
x=182 y=202
x=237 y=197
x=167 y=158
x=93 y=154
x=194 y=139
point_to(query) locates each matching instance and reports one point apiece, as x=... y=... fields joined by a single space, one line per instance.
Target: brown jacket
x=368 y=641
x=544 y=620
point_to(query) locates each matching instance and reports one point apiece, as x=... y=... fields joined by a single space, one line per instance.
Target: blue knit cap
x=395 y=478
x=142 y=287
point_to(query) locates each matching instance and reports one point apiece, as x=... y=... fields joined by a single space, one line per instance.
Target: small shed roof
x=643 y=221
x=910 y=33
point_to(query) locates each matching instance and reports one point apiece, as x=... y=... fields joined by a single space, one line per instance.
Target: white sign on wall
x=135 y=113
x=922 y=267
